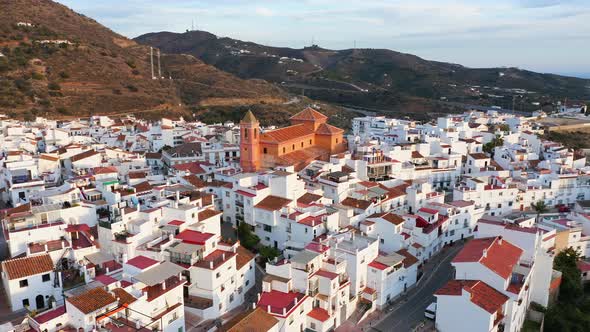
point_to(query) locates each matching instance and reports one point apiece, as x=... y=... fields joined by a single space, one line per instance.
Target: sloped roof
x=273 y=203
x=326 y=129
x=249 y=118
x=309 y=114
x=494 y=253
x=27 y=266
x=92 y=300
x=482 y=294
x=297 y=131
x=254 y=321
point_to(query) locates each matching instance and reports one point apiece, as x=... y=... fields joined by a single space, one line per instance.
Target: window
x=45 y=277
x=309 y=142
x=247 y=281
x=264 y=151
x=245 y=133
x=23 y=283
x=284 y=149
x=218 y=275
x=231 y=297
x=382 y=240
x=336 y=140
x=267 y=228
x=301 y=144
x=293 y=147
x=25 y=303
x=255 y=132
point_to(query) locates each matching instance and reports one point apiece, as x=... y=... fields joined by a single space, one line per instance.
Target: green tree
x=496 y=141
x=269 y=253
x=248 y=239
x=539 y=207
x=572 y=311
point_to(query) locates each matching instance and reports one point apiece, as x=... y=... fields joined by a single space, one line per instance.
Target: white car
x=430 y=311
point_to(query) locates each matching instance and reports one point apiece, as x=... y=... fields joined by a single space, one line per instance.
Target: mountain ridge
x=372 y=77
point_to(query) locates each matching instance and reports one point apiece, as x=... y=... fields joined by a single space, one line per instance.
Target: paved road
x=408 y=313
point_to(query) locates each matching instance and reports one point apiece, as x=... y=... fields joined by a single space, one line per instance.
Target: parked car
x=430 y=311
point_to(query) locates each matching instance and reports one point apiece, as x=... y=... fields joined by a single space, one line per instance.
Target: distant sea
x=580 y=75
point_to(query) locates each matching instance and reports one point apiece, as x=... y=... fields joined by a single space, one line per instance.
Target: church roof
x=309 y=114
x=326 y=129
x=249 y=118
x=286 y=134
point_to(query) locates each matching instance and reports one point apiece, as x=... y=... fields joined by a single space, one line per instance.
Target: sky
x=540 y=35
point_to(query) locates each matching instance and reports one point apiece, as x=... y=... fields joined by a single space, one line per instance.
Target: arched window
x=255 y=132
x=293 y=147
x=246 y=133
x=301 y=144
x=284 y=149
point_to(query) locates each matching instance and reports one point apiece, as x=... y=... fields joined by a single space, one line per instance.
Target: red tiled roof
x=482 y=294
x=409 y=259
x=83 y=155
x=309 y=114
x=308 y=198
x=142 y=262
x=92 y=300
x=298 y=131
x=356 y=203
x=495 y=253
x=143 y=187
x=319 y=314
x=18 y=268
x=243 y=257
x=193 y=167
x=326 y=129
x=194 y=237
x=273 y=203
x=208 y=213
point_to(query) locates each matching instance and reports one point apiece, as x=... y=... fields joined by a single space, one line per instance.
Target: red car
x=563 y=208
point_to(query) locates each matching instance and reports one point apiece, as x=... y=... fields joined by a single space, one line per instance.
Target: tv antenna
x=152 y=61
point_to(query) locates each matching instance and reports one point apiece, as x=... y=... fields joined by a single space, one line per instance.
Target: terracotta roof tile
x=273 y=203
x=92 y=300
x=83 y=155
x=123 y=296
x=309 y=114
x=495 y=253
x=326 y=129
x=208 y=213
x=244 y=257
x=356 y=203
x=481 y=294
x=298 y=131
x=27 y=266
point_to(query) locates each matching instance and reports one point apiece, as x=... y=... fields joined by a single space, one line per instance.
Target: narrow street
x=407 y=312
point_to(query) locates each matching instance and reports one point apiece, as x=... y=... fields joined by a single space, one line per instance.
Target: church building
x=308 y=138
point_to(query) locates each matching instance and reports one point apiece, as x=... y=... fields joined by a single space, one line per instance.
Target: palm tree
x=540 y=207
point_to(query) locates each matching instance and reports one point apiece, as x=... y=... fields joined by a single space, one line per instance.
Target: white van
x=430 y=311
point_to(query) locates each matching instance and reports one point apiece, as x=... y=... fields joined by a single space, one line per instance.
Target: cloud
x=263 y=11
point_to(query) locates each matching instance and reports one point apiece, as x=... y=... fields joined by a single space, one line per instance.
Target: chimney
x=485 y=253
x=500 y=240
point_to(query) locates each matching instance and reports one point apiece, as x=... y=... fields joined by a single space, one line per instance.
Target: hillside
x=373 y=78
x=59 y=63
